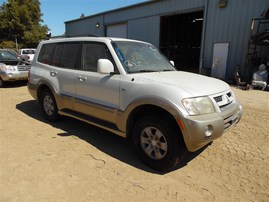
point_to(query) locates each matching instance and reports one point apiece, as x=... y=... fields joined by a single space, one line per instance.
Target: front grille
x=224 y=100
x=229 y=94
x=228 y=108
x=22 y=68
x=231 y=119
x=218 y=99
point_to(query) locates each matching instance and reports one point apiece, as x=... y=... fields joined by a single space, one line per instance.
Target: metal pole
x=16 y=44
x=203 y=38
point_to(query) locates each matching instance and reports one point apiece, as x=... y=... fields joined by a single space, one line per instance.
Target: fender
x=124 y=116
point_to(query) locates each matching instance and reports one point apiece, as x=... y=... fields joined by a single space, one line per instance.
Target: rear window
x=30 y=51
x=46 y=53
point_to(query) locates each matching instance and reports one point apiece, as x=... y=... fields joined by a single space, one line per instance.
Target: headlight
x=5 y=67
x=198 y=106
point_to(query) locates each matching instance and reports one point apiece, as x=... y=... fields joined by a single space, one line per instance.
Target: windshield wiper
x=147 y=70
x=167 y=70
x=143 y=70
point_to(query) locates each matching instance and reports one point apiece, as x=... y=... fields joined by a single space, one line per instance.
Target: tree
x=82 y=15
x=21 y=21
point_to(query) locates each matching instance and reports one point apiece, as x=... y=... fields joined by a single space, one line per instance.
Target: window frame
x=52 y=56
x=108 y=55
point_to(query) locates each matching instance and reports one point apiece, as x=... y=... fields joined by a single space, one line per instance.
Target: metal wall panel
x=157 y=8
x=145 y=29
x=229 y=24
x=117 y=30
x=86 y=26
x=145 y=16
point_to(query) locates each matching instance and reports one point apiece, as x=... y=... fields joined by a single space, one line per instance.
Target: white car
x=27 y=54
x=129 y=88
x=260 y=78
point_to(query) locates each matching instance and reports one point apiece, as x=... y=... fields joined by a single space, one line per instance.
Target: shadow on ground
x=107 y=142
x=14 y=84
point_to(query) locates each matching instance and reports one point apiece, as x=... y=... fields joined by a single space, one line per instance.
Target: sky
x=56 y=12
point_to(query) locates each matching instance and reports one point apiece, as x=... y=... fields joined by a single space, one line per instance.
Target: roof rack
x=81 y=35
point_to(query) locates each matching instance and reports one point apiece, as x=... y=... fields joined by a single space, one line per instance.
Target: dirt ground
x=73 y=161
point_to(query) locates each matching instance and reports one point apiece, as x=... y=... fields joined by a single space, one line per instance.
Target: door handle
x=53 y=73
x=82 y=78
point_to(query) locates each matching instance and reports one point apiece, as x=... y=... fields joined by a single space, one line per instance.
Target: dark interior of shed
x=180 y=39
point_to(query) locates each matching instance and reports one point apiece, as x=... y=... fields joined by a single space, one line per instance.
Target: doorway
x=180 y=39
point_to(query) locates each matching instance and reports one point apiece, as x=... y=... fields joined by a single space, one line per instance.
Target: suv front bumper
x=200 y=130
x=13 y=75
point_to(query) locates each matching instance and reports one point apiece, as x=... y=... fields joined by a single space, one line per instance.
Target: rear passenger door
x=61 y=61
x=67 y=60
x=97 y=94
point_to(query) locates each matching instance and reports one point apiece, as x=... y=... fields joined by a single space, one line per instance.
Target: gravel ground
x=73 y=161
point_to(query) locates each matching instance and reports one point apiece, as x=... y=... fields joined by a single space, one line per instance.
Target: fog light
x=208 y=130
x=10 y=74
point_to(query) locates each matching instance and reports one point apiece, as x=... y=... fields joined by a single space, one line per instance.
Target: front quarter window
x=139 y=57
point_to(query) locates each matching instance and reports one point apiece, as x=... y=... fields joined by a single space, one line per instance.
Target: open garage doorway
x=180 y=39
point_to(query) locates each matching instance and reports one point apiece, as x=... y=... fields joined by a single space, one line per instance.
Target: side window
x=57 y=55
x=46 y=53
x=92 y=53
x=69 y=55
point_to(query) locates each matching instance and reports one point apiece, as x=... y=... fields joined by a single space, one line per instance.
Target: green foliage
x=8 y=44
x=21 y=20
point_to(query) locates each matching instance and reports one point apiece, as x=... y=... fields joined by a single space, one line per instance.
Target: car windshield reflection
x=139 y=57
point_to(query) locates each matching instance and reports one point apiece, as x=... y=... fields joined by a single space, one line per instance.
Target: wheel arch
x=43 y=86
x=149 y=110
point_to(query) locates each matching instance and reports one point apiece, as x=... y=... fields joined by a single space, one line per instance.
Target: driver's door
x=97 y=94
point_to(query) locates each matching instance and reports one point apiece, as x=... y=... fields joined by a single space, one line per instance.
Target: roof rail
x=81 y=35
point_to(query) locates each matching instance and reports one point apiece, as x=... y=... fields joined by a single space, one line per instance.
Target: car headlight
x=6 y=67
x=198 y=106
x=3 y=66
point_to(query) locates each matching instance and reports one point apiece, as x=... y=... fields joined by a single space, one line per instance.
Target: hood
x=10 y=62
x=194 y=84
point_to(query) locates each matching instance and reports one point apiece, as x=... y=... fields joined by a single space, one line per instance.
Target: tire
x=2 y=83
x=49 y=106
x=158 y=143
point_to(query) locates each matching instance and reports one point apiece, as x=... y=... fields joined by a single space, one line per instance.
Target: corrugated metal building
x=206 y=36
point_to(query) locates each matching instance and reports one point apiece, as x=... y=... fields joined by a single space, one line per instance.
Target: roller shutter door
x=117 y=30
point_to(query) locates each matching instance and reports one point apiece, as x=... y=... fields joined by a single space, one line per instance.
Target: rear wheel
x=49 y=106
x=158 y=143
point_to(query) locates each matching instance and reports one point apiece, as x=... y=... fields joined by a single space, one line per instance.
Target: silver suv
x=11 y=68
x=129 y=88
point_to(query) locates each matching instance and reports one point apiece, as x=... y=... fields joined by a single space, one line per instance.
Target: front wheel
x=2 y=83
x=158 y=143
x=49 y=106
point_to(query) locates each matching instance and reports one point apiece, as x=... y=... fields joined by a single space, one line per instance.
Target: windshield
x=6 y=55
x=28 y=52
x=140 y=57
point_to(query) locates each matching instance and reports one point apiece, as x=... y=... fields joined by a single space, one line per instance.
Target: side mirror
x=172 y=62
x=104 y=66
